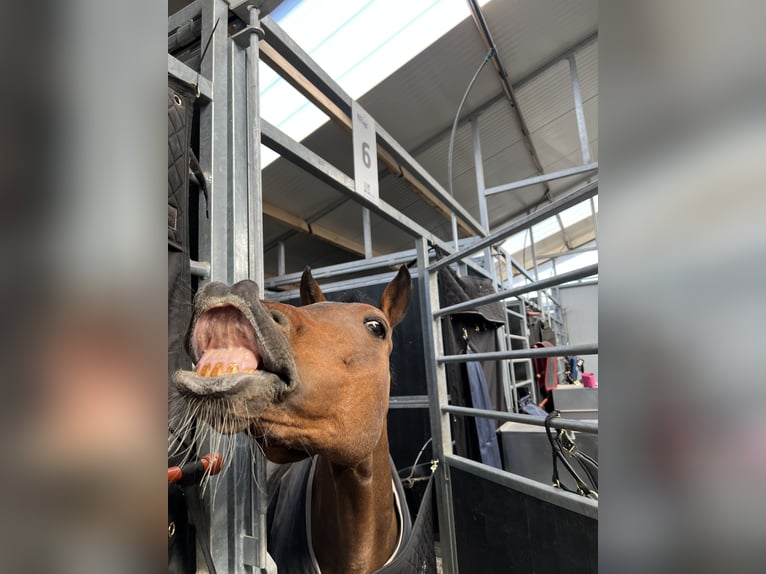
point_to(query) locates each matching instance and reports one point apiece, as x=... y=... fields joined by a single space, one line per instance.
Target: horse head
x=302 y=380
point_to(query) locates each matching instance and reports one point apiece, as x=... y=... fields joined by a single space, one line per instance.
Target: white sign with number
x=365 y=152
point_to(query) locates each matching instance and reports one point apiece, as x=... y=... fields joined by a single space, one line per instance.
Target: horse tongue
x=227 y=361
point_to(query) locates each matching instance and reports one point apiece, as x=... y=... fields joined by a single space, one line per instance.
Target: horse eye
x=376 y=327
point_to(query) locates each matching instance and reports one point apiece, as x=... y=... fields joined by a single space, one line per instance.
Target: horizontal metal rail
x=522 y=354
x=409 y=402
x=542 y=178
x=590 y=427
x=191 y=78
x=200 y=268
x=567 y=500
x=361 y=265
x=543 y=213
x=185 y=15
x=535 y=286
x=344 y=285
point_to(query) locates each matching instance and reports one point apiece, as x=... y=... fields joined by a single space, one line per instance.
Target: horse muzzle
x=239 y=349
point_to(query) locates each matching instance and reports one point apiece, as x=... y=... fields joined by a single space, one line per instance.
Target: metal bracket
x=242 y=38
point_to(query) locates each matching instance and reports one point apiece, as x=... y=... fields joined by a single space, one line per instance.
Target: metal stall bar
x=380 y=262
x=556 y=423
x=436 y=380
x=559 y=351
x=254 y=551
x=543 y=213
x=214 y=243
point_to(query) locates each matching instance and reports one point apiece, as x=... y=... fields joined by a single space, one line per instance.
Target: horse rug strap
x=288 y=538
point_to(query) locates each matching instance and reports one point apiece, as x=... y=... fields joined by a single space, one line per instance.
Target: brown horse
x=305 y=381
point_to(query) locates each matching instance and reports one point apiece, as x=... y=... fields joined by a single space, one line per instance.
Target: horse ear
x=396 y=296
x=310 y=291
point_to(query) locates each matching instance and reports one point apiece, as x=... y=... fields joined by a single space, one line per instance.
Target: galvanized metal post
x=581 y=128
x=255 y=203
x=257 y=490
x=595 y=220
x=281 y=259
x=214 y=238
x=478 y=163
x=367 y=231
x=213 y=143
x=436 y=380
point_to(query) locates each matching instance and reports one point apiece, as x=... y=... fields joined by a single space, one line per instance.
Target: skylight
x=517 y=243
x=358 y=46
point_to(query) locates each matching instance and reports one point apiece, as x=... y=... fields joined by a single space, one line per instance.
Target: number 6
x=366 y=154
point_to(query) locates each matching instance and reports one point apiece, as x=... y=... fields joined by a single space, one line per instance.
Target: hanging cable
x=457 y=117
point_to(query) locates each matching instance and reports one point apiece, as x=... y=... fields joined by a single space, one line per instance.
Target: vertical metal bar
x=255 y=205
x=281 y=261
x=478 y=162
x=213 y=143
x=214 y=239
x=455 y=236
x=257 y=491
x=367 y=230
x=581 y=128
x=536 y=269
x=595 y=220
x=504 y=344
x=436 y=379
x=239 y=168
x=534 y=253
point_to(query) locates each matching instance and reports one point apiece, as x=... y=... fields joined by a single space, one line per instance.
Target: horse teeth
x=248 y=370
x=217 y=370
x=204 y=370
x=232 y=368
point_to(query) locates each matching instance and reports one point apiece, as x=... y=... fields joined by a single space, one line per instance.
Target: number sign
x=365 y=153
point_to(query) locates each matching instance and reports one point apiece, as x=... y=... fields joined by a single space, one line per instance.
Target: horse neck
x=354 y=522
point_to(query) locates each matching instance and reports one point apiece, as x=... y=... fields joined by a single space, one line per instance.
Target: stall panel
x=502 y=530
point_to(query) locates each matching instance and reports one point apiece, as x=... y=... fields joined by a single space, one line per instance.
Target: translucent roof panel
x=569 y=217
x=576 y=213
x=358 y=46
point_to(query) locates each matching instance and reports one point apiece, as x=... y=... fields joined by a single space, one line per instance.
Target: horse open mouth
x=238 y=349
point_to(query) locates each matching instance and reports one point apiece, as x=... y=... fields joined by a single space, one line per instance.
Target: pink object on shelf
x=589 y=380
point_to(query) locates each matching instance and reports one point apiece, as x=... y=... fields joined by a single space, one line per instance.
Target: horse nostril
x=279 y=319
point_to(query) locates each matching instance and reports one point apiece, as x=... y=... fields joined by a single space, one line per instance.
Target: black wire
x=457 y=117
